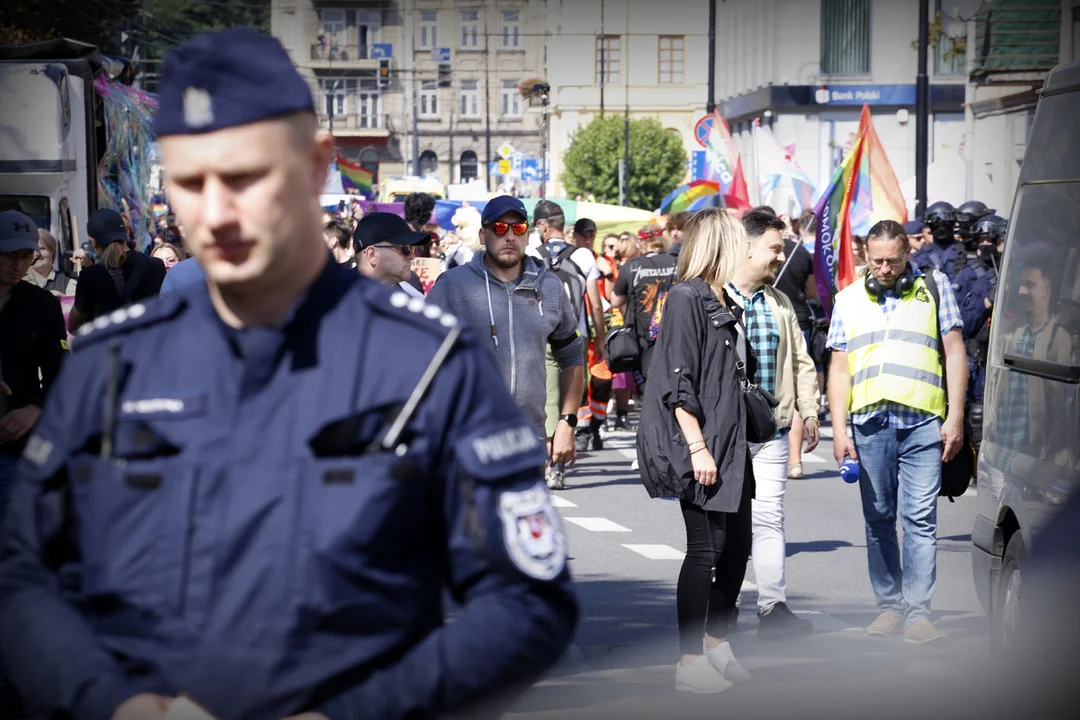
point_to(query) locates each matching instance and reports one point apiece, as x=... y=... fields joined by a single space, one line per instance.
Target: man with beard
x=518 y=306
x=887 y=370
x=945 y=254
x=785 y=369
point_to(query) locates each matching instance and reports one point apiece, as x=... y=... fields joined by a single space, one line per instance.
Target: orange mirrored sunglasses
x=500 y=227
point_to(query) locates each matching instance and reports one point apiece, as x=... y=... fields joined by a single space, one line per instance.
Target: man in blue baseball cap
x=270 y=480
x=517 y=305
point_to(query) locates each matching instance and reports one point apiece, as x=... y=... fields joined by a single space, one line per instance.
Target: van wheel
x=1008 y=607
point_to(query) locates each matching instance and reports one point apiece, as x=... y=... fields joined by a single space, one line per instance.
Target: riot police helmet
x=971 y=211
x=940 y=213
x=991 y=226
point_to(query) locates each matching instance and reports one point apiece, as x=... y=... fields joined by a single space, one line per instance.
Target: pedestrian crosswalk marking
x=561 y=502
x=629 y=452
x=657 y=552
x=597 y=524
x=748 y=586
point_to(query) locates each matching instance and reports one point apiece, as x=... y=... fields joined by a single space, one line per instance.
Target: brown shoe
x=922 y=632
x=887 y=623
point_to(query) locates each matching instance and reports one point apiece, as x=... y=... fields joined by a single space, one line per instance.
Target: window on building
x=511 y=29
x=288 y=30
x=845 y=37
x=429 y=99
x=368 y=104
x=346 y=34
x=946 y=61
x=470 y=98
x=671 y=56
x=429 y=29
x=336 y=94
x=469 y=166
x=369 y=158
x=429 y=164
x=608 y=59
x=510 y=99
x=470 y=29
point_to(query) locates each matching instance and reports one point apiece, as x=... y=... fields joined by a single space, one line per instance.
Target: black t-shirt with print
x=645 y=280
x=793 y=282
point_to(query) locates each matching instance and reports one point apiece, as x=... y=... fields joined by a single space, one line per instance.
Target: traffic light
x=384 y=72
x=444 y=75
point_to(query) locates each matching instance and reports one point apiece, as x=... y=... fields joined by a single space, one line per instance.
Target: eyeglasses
x=501 y=228
x=892 y=262
x=405 y=250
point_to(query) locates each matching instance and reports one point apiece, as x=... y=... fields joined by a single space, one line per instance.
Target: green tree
x=657 y=161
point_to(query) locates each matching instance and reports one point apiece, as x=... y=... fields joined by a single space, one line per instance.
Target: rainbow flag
x=863 y=191
x=356 y=176
x=684 y=196
x=727 y=164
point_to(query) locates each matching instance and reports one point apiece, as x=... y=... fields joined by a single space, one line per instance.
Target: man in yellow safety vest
x=887 y=335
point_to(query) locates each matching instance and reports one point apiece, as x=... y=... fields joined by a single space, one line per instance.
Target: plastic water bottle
x=850 y=470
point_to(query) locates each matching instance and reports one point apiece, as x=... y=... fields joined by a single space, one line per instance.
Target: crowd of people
x=267 y=477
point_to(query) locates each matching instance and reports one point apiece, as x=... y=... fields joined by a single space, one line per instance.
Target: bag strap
x=741 y=345
x=125 y=297
x=117 y=276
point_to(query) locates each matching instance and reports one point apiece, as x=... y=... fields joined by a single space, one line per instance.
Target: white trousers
x=769 y=548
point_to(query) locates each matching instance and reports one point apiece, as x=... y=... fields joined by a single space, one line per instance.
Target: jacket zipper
x=513 y=354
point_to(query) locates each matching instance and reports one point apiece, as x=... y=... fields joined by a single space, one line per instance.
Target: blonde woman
x=692 y=446
x=120 y=277
x=44 y=272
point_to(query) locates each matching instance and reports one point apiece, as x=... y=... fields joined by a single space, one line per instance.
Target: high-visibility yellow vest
x=894 y=357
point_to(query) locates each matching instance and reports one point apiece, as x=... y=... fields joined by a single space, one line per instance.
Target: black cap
x=584 y=225
x=545 y=209
x=106 y=226
x=224 y=79
x=381 y=228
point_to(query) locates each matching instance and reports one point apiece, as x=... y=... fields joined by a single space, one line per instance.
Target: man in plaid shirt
x=886 y=336
x=785 y=369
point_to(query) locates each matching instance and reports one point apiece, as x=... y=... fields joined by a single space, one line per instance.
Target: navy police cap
x=224 y=79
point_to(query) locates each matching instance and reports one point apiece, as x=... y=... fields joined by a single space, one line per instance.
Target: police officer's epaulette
x=126 y=319
x=410 y=310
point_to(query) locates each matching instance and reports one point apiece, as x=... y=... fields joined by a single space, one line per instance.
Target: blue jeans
x=901 y=470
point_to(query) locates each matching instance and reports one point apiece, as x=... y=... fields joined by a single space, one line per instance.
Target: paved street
x=626 y=551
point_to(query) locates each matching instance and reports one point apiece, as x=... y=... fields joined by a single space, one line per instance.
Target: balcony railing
x=340 y=53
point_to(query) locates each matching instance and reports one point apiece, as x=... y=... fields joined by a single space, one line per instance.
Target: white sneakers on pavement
x=700 y=677
x=723 y=660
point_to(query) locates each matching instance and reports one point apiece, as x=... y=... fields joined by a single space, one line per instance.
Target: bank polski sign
x=859 y=95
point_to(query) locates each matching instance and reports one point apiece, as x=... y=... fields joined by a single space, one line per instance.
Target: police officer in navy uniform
x=944 y=254
x=254 y=492
x=975 y=287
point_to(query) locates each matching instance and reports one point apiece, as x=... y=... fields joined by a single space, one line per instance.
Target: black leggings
x=713 y=539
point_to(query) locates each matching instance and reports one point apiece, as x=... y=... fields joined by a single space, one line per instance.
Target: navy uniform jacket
x=245 y=546
x=948 y=259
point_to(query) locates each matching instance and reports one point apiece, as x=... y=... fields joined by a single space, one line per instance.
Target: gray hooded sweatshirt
x=516 y=320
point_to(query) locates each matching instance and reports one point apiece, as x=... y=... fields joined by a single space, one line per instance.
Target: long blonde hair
x=114 y=254
x=713 y=245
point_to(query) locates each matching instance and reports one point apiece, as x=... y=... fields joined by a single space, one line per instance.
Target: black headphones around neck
x=904 y=283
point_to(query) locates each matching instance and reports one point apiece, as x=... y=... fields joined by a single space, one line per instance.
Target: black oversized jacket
x=693 y=366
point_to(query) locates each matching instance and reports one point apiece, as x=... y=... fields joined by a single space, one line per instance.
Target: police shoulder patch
x=396 y=303
x=532 y=532
x=125 y=319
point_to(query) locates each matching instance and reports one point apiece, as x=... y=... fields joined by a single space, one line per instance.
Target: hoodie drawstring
x=491 y=312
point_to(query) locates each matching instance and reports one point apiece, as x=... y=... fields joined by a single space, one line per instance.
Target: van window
x=35 y=206
x=1038 y=311
x=1055 y=160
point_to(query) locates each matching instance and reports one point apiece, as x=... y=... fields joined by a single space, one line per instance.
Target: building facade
x=644 y=58
x=452 y=99
x=804 y=68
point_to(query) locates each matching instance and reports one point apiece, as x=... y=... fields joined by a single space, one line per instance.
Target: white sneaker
x=700 y=677
x=723 y=661
x=556 y=478
x=634 y=465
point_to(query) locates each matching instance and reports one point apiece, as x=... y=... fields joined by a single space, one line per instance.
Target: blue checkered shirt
x=763 y=334
x=896 y=415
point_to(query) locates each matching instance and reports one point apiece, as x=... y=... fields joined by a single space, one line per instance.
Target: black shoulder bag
x=760 y=403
